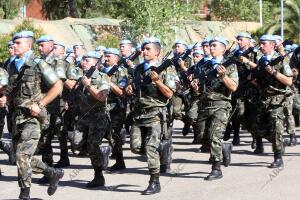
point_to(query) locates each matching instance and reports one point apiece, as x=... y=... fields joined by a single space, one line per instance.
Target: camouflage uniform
x=117 y=112
x=37 y=76
x=215 y=111
x=270 y=115
x=3 y=83
x=93 y=119
x=238 y=100
x=54 y=109
x=149 y=127
x=3 y=111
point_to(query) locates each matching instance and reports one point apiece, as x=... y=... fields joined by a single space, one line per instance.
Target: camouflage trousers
x=238 y=109
x=289 y=117
x=26 y=137
x=95 y=128
x=117 y=135
x=214 y=117
x=45 y=146
x=269 y=121
x=145 y=139
x=177 y=107
x=191 y=116
x=3 y=113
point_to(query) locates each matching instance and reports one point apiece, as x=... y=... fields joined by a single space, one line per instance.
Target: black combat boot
x=259 y=146
x=24 y=194
x=154 y=185
x=204 y=149
x=293 y=140
x=7 y=148
x=215 y=173
x=104 y=156
x=63 y=162
x=54 y=175
x=226 y=151
x=119 y=165
x=186 y=129
x=278 y=162
x=236 y=139
x=253 y=144
x=98 y=180
x=43 y=180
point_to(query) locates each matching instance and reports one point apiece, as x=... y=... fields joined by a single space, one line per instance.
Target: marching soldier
x=273 y=80
x=238 y=97
x=221 y=82
x=79 y=51
x=150 y=101
x=116 y=105
x=46 y=49
x=91 y=90
x=29 y=79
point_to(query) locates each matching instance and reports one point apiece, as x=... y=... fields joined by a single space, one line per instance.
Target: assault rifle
x=123 y=62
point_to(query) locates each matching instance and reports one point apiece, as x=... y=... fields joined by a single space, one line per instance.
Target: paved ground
x=247 y=178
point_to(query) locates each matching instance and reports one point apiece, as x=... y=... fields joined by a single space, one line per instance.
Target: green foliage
x=153 y=18
x=25 y=25
x=109 y=41
x=234 y=10
x=291 y=21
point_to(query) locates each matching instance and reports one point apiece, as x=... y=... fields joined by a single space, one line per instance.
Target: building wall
x=34 y=9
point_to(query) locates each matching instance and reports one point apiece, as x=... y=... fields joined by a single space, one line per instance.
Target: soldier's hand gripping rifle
x=123 y=62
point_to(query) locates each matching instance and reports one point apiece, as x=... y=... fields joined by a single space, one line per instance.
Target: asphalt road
x=246 y=178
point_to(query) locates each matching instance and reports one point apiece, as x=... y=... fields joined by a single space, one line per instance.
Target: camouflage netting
x=88 y=31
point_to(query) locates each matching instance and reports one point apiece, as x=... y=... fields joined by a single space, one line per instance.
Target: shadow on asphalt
x=82 y=184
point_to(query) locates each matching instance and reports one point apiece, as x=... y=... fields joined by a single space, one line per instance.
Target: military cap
x=78 y=44
x=112 y=51
x=205 y=41
x=69 y=50
x=267 y=38
x=100 y=48
x=92 y=54
x=59 y=43
x=23 y=34
x=150 y=40
x=9 y=43
x=198 y=52
x=44 y=38
x=243 y=35
x=125 y=42
x=181 y=42
x=219 y=39
x=278 y=37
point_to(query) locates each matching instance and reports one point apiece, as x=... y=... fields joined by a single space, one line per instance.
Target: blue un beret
x=23 y=34
x=267 y=38
x=100 y=48
x=244 y=35
x=112 y=51
x=44 y=38
x=125 y=42
x=181 y=42
x=92 y=54
x=9 y=43
x=150 y=40
x=206 y=41
x=59 y=43
x=219 y=39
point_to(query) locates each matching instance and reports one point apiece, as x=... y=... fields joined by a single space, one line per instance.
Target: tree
x=291 y=21
x=8 y=8
x=25 y=25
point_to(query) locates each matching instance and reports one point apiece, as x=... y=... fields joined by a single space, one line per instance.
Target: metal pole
x=281 y=21
x=260 y=13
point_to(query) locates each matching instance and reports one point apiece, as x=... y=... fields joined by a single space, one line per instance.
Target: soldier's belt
x=216 y=103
